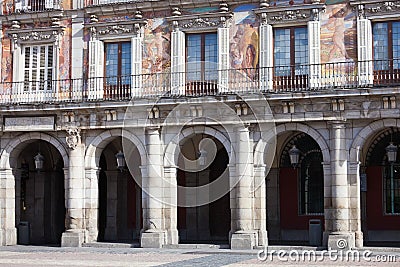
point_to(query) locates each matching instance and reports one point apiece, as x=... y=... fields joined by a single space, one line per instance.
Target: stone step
x=111 y=245
x=197 y=246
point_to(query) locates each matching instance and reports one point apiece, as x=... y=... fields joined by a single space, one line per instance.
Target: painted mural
x=157 y=40
x=338 y=34
x=244 y=41
x=6 y=62
x=65 y=52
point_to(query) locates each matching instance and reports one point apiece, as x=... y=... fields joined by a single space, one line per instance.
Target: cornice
x=36 y=35
x=374 y=9
x=290 y=14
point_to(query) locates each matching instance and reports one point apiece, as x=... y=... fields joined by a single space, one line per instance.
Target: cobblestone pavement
x=52 y=256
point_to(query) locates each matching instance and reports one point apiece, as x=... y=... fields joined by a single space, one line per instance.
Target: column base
x=152 y=239
x=173 y=237
x=72 y=238
x=359 y=239
x=341 y=241
x=262 y=238
x=8 y=237
x=244 y=240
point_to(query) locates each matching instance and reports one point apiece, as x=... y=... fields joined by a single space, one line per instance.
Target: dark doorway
x=208 y=223
x=40 y=194
x=120 y=213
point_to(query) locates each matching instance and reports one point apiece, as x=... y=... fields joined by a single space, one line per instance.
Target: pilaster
x=92 y=203
x=355 y=202
x=171 y=211
x=8 y=232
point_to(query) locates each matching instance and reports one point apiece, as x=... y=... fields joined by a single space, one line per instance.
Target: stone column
x=153 y=234
x=260 y=208
x=340 y=236
x=171 y=198
x=244 y=236
x=92 y=203
x=355 y=202
x=111 y=233
x=74 y=192
x=8 y=232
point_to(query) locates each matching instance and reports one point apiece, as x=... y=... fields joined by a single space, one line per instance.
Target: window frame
x=203 y=69
x=304 y=201
x=389 y=68
x=292 y=79
x=120 y=85
x=386 y=179
x=37 y=84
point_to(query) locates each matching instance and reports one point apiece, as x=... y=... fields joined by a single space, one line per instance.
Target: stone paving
x=54 y=256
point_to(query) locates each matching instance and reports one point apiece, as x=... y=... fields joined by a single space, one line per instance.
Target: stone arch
x=366 y=133
x=263 y=144
x=170 y=151
x=10 y=153
x=95 y=148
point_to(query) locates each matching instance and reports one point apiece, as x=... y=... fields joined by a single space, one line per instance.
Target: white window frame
x=36 y=84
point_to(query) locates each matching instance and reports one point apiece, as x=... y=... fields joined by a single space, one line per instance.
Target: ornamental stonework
x=73 y=137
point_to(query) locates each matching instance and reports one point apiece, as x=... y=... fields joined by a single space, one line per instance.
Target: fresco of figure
x=337 y=19
x=244 y=44
x=156 y=57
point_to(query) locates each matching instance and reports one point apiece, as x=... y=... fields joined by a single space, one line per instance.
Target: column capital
x=338 y=124
x=153 y=129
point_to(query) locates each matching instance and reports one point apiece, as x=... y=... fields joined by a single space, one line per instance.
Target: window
x=386 y=47
x=391 y=187
x=38 y=67
x=291 y=57
x=311 y=184
x=202 y=61
x=118 y=69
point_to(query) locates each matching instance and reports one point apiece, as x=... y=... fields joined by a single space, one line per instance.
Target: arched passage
x=191 y=137
x=210 y=222
x=39 y=193
x=295 y=193
x=119 y=202
x=380 y=191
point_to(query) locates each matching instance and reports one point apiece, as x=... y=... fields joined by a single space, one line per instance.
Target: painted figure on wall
x=156 y=57
x=337 y=20
x=244 y=42
x=338 y=34
x=6 y=63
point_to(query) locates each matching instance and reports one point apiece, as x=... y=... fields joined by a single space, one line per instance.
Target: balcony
x=28 y=6
x=322 y=78
x=105 y=2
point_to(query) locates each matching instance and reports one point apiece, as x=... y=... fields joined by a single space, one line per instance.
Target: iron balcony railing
x=105 y=2
x=26 y=6
x=279 y=79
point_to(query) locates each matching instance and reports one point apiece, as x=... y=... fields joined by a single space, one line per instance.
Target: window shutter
x=96 y=70
x=136 y=57
x=266 y=57
x=49 y=4
x=223 y=59
x=178 y=63
x=314 y=54
x=364 y=53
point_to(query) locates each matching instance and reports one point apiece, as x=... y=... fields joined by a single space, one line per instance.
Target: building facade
x=166 y=122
